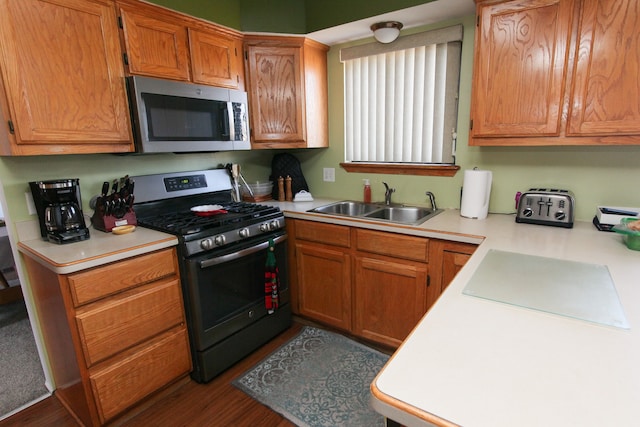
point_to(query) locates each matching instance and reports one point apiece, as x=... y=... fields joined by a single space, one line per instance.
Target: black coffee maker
x=59 y=208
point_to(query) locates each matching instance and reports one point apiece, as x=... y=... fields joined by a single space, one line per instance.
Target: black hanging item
x=271 y=280
x=284 y=165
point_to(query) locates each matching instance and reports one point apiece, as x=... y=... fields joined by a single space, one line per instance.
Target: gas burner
x=187 y=223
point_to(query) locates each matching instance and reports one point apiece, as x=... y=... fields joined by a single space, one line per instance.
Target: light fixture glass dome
x=386 y=32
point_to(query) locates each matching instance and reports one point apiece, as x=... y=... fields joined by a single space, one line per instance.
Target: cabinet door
x=63 y=76
x=324 y=284
x=156 y=47
x=215 y=59
x=447 y=258
x=607 y=71
x=520 y=67
x=111 y=326
x=276 y=93
x=390 y=298
x=452 y=262
x=140 y=372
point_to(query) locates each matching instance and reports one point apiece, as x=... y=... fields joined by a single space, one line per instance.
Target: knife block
x=106 y=223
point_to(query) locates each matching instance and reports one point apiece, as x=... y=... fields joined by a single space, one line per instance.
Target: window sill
x=401 y=168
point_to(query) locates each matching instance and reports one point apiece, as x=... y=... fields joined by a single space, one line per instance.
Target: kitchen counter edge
x=568 y=358
x=100 y=249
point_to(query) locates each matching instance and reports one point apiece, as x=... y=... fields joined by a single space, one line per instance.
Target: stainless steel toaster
x=546 y=207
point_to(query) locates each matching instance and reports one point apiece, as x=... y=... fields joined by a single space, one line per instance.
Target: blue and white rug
x=317 y=379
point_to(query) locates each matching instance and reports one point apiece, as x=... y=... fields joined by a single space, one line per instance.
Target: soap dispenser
x=367 y=191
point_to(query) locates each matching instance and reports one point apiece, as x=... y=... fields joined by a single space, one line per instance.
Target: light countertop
x=472 y=361
x=477 y=362
x=101 y=248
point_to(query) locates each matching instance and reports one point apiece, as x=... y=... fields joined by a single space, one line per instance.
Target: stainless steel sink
x=405 y=215
x=347 y=208
x=401 y=214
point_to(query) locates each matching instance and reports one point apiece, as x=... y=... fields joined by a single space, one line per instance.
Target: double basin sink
x=400 y=214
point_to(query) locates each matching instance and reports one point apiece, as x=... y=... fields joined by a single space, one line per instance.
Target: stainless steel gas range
x=222 y=253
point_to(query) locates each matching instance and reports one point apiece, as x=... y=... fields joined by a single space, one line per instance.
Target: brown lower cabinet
x=115 y=334
x=373 y=284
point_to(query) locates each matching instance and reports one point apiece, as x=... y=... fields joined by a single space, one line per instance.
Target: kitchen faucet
x=387 y=193
x=432 y=199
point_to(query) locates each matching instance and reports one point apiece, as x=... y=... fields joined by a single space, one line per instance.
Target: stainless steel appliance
x=59 y=207
x=171 y=116
x=222 y=253
x=544 y=206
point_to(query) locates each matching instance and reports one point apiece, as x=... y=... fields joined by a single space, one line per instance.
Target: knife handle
x=105 y=188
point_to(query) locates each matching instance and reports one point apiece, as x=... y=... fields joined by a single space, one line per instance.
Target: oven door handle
x=244 y=252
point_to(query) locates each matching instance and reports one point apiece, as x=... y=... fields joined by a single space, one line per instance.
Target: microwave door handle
x=229 y=128
x=217 y=260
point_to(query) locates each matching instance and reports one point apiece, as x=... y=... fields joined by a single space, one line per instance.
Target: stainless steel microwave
x=176 y=117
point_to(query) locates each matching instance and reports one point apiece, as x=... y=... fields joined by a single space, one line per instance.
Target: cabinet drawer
x=99 y=282
x=140 y=373
x=337 y=235
x=391 y=244
x=109 y=327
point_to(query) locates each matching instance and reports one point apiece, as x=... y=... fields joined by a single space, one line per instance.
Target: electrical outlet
x=31 y=207
x=329 y=174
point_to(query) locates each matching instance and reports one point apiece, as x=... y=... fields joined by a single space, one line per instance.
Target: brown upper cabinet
x=287 y=87
x=166 y=44
x=556 y=72
x=62 y=88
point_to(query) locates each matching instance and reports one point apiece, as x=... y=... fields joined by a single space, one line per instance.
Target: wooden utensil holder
x=106 y=223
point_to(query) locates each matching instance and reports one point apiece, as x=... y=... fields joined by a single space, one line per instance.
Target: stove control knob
x=244 y=233
x=528 y=212
x=206 y=244
x=219 y=240
x=274 y=225
x=264 y=227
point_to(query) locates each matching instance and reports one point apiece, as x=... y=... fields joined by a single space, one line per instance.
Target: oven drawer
x=91 y=285
x=109 y=327
x=140 y=372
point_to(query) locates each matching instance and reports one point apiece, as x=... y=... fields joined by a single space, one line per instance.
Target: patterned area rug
x=317 y=379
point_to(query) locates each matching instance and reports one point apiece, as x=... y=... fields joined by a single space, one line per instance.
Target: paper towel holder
x=476 y=192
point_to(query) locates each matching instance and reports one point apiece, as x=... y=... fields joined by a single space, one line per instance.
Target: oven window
x=174 y=118
x=233 y=287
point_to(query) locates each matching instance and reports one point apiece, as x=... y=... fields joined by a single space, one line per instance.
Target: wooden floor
x=217 y=403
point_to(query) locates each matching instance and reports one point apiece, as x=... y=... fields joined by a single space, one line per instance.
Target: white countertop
x=473 y=361
x=476 y=362
x=101 y=248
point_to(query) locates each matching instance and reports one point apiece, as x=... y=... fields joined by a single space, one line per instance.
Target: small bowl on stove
x=208 y=210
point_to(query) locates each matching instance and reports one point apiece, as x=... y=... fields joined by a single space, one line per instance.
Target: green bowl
x=631 y=237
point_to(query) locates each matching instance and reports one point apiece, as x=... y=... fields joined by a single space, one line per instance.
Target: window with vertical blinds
x=401 y=99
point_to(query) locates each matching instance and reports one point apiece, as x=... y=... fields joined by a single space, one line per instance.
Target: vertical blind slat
x=396 y=105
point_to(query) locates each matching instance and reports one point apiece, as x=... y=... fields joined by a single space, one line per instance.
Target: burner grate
x=186 y=222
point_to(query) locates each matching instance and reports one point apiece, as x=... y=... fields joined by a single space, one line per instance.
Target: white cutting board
x=567 y=288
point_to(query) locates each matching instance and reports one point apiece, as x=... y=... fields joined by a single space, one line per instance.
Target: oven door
x=226 y=292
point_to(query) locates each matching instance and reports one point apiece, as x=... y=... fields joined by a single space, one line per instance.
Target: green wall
x=285 y=16
x=597 y=175
x=274 y=16
x=224 y=12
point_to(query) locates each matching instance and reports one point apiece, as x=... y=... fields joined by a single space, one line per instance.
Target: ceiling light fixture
x=386 y=32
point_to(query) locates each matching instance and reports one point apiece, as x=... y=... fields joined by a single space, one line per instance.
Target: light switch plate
x=329 y=174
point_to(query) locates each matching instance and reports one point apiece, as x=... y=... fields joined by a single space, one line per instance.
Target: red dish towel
x=271 y=280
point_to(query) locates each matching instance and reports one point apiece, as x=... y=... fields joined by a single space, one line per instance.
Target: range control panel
x=543 y=206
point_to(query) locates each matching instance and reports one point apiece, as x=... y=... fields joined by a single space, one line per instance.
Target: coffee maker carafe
x=59 y=207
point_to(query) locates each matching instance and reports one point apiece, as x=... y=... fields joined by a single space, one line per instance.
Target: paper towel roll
x=476 y=190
